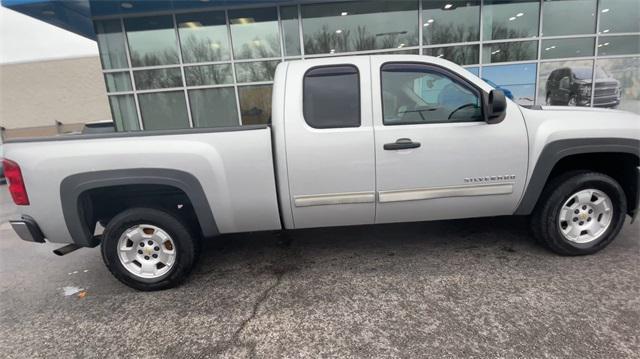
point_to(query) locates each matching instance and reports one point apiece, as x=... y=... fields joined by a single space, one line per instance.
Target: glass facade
x=214 y=66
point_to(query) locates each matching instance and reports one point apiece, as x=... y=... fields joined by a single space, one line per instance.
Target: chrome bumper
x=28 y=230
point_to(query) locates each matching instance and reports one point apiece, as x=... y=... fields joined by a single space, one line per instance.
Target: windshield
x=584 y=73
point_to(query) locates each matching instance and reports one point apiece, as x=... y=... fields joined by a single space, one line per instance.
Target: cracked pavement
x=467 y=288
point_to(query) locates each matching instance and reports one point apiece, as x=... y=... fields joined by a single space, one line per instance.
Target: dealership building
x=206 y=63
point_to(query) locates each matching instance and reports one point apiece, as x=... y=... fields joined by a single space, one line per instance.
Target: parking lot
x=478 y=287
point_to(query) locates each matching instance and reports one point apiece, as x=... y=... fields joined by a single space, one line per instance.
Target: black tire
x=544 y=221
x=186 y=245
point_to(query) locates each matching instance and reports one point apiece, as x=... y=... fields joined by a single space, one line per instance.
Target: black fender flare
x=73 y=186
x=553 y=152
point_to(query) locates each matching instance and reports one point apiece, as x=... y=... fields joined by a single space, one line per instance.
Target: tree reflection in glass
x=254 y=33
x=203 y=37
x=208 y=75
x=152 y=41
x=450 y=21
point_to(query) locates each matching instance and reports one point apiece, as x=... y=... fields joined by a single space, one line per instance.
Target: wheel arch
x=572 y=154
x=74 y=187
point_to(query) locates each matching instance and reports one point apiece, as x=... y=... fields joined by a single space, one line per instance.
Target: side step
x=66 y=249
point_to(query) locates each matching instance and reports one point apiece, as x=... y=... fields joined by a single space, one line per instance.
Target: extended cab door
x=436 y=158
x=329 y=142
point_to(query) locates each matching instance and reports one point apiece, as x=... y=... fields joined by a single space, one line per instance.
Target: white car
x=353 y=140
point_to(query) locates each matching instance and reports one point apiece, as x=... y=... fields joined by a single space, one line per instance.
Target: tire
x=572 y=101
x=163 y=249
x=547 y=219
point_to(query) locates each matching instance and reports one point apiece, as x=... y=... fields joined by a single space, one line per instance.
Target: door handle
x=401 y=144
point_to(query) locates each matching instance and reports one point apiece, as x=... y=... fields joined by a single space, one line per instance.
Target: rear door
x=436 y=157
x=329 y=142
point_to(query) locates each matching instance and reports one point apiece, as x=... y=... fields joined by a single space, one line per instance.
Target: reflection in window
x=415 y=94
x=208 y=75
x=359 y=26
x=559 y=48
x=618 y=45
x=256 y=71
x=111 y=44
x=519 y=80
x=118 y=81
x=123 y=110
x=568 y=17
x=450 y=21
x=255 y=104
x=510 y=19
x=214 y=107
x=626 y=73
x=619 y=16
x=290 y=30
x=163 y=110
x=152 y=41
x=254 y=33
x=474 y=70
x=566 y=83
x=509 y=51
x=203 y=37
x=157 y=79
x=461 y=55
x=331 y=97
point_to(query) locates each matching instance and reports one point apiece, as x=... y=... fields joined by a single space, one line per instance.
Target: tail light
x=16 y=183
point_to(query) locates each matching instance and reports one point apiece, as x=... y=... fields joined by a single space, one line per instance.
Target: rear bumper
x=28 y=230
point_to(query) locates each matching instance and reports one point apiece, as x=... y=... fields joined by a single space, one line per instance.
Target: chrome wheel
x=585 y=216
x=146 y=251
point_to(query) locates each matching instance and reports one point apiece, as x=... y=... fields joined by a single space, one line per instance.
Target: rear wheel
x=148 y=249
x=579 y=213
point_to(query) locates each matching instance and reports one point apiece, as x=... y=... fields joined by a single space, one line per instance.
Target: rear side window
x=331 y=97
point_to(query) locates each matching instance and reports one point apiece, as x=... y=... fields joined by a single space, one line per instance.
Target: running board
x=66 y=249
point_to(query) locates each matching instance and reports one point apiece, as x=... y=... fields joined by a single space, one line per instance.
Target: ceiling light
x=256 y=42
x=339 y=31
x=441 y=55
x=547 y=49
x=191 y=24
x=126 y=5
x=430 y=21
x=447 y=6
x=426 y=24
x=495 y=52
x=605 y=31
x=243 y=20
x=519 y=14
x=333 y=51
x=401 y=45
x=606 y=44
x=605 y=11
x=512 y=18
x=344 y=13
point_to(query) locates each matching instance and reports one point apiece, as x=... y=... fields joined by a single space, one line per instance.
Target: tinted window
x=582 y=14
x=448 y=21
x=418 y=94
x=331 y=97
x=510 y=19
x=152 y=41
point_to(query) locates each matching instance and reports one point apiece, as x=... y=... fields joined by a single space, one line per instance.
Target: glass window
x=254 y=33
x=203 y=37
x=255 y=104
x=510 y=19
x=214 y=107
x=565 y=83
x=118 y=82
x=622 y=84
x=152 y=41
x=450 y=21
x=111 y=44
x=582 y=14
x=419 y=94
x=559 y=48
x=163 y=110
x=359 y=26
x=509 y=51
x=157 y=79
x=517 y=81
x=618 y=45
x=619 y=16
x=123 y=110
x=256 y=71
x=331 y=97
x=461 y=55
x=290 y=30
x=208 y=75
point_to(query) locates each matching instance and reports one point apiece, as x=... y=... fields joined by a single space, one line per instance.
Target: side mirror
x=496 y=107
x=564 y=83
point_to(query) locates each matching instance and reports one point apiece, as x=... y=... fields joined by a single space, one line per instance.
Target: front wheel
x=579 y=213
x=148 y=249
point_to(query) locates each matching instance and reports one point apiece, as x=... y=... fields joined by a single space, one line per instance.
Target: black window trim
x=482 y=95
x=359 y=95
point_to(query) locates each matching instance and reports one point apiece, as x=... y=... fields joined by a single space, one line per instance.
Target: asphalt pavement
x=466 y=288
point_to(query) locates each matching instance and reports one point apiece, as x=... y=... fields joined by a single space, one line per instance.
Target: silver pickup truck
x=352 y=140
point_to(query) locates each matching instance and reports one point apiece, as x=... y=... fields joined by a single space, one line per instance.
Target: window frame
x=359 y=84
x=453 y=76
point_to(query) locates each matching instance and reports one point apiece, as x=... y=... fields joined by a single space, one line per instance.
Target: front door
x=329 y=142
x=436 y=158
